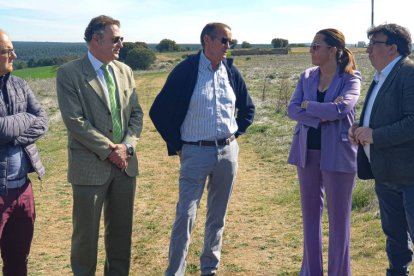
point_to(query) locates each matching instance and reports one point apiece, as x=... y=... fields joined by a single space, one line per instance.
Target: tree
x=246 y=44
x=128 y=46
x=279 y=43
x=140 y=58
x=233 y=43
x=167 y=45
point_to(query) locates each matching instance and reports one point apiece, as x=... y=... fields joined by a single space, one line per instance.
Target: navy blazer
x=392 y=122
x=171 y=105
x=337 y=153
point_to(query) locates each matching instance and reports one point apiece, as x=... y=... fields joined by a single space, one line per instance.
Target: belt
x=220 y=142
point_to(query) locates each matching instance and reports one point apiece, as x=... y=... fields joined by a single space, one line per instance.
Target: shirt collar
x=205 y=63
x=387 y=70
x=96 y=64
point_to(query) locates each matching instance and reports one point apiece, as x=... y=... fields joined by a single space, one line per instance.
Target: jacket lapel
x=313 y=85
x=92 y=78
x=371 y=87
x=333 y=89
x=386 y=85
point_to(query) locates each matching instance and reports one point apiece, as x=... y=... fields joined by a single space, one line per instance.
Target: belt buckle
x=227 y=141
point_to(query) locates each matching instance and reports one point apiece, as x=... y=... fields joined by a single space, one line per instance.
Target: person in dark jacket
x=22 y=122
x=385 y=138
x=201 y=110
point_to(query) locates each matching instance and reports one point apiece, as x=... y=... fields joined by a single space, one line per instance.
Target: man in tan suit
x=99 y=106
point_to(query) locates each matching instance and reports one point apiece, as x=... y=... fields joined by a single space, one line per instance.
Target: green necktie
x=115 y=112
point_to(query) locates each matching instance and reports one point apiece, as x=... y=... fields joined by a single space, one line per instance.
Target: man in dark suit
x=99 y=106
x=386 y=139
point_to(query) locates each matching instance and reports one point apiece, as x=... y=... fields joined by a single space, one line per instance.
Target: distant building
x=362 y=44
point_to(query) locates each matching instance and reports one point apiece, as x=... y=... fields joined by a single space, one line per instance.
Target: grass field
x=263 y=234
x=36 y=73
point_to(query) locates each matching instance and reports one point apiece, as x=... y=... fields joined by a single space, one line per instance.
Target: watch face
x=130 y=151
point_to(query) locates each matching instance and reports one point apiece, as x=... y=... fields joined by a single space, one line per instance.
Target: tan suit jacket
x=86 y=113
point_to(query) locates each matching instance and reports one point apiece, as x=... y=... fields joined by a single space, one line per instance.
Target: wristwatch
x=304 y=104
x=130 y=150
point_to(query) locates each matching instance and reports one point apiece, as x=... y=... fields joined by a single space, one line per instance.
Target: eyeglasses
x=373 y=42
x=118 y=38
x=9 y=52
x=316 y=46
x=225 y=40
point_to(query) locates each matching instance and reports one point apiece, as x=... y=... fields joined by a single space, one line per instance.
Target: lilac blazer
x=337 y=153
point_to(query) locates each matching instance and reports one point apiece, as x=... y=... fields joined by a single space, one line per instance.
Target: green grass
x=45 y=72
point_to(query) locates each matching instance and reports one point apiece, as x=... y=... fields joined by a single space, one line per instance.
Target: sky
x=150 y=21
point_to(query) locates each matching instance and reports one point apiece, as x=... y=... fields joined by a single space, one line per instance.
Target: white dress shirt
x=379 y=78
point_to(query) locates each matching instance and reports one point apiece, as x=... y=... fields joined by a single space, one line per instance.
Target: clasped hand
x=360 y=135
x=119 y=155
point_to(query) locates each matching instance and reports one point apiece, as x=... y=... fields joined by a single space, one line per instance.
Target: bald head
x=3 y=37
x=7 y=55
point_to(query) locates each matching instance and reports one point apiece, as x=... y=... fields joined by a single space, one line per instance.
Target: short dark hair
x=211 y=30
x=396 y=34
x=97 y=26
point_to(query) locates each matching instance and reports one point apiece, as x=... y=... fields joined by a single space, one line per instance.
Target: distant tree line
x=138 y=55
x=36 y=54
x=39 y=50
x=19 y=64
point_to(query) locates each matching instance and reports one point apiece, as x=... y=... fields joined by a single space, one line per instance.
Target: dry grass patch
x=263 y=234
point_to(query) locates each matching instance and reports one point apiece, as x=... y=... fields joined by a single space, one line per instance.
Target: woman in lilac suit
x=323 y=104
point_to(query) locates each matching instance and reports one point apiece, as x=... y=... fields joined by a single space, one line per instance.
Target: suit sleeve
x=401 y=130
x=72 y=110
x=334 y=111
x=135 y=119
x=294 y=110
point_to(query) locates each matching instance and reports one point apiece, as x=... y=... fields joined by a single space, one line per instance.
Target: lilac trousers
x=338 y=188
x=17 y=217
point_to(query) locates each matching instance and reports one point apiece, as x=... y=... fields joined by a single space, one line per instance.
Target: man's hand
x=119 y=155
x=363 y=135
x=351 y=134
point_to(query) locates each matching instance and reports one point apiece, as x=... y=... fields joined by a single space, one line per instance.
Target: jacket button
x=110 y=131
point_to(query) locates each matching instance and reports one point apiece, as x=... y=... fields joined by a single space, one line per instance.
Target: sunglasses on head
x=118 y=38
x=225 y=40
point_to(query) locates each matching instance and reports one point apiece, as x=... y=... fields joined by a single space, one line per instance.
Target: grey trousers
x=219 y=164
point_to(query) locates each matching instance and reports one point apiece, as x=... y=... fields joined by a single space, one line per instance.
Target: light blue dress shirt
x=211 y=114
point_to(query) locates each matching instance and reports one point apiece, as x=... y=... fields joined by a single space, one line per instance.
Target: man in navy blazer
x=203 y=106
x=385 y=135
